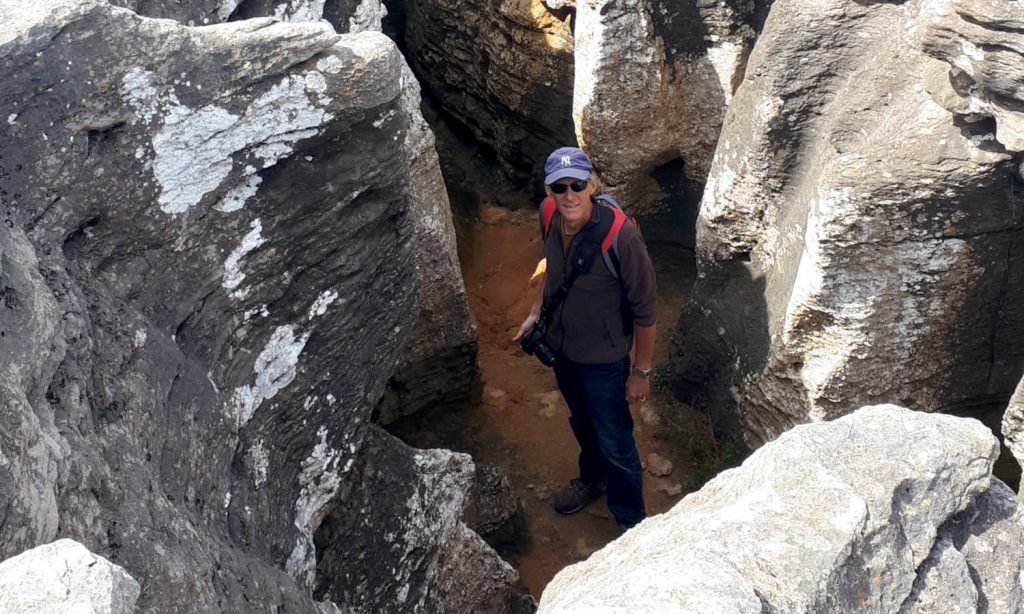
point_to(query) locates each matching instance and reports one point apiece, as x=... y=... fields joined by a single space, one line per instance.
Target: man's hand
x=526 y=326
x=637 y=388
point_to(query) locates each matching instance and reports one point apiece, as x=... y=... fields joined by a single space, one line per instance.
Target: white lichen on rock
x=260 y=460
x=322 y=302
x=319 y=479
x=233 y=274
x=275 y=368
x=236 y=198
x=195 y=150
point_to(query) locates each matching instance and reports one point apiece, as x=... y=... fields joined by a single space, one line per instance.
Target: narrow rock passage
x=521 y=426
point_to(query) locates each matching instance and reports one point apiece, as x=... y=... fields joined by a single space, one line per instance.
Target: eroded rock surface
x=830 y=517
x=65 y=577
x=653 y=81
x=1013 y=424
x=860 y=237
x=439 y=364
x=402 y=522
x=503 y=68
x=207 y=276
x=347 y=16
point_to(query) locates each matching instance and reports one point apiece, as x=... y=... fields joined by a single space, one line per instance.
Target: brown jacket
x=590 y=326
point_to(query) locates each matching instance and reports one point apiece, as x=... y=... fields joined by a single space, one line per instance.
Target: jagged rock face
x=860 y=235
x=1013 y=424
x=207 y=277
x=347 y=16
x=653 y=81
x=857 y=514
x=976 y=561
x=65 y=577
x=401 y=522
x=502 y=68
x=439 y=364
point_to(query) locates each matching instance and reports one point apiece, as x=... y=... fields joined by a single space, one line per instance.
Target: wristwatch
x=643 y=373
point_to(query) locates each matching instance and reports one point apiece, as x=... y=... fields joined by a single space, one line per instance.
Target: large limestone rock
x=65 y=577
x=975 y=564
x=502 y=68
x=439 y=363
x=857 y=514
x=198 y=316
x=401 y=522
x=1013 y=424
x=860 y=234
x=653 y=81
x=347 y=16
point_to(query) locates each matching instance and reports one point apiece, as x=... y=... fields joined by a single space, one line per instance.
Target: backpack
x=610 y=243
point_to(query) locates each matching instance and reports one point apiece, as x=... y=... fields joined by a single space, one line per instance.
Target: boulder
x=977 y=559
x=197 y=320
x=347 y=16
x=840 y=516
x=653 y=82
x=1013 y=424
x=396 y=541
x=65 y=577
x=859 y=238
x=503 y=69
x=439 y=364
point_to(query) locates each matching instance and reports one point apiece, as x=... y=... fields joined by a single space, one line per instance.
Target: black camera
x=534 y=344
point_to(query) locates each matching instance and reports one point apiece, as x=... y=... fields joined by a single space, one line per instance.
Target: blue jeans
x=596 y=396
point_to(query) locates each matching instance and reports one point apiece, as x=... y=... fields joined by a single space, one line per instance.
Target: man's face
x=575 y=207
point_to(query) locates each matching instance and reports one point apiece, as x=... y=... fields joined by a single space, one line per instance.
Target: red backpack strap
x=547 y=211
x=617 y=224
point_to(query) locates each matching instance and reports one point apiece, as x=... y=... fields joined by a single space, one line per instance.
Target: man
x=591 y=332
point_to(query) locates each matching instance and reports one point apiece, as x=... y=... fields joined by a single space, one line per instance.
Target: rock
x=943 y=583
x=859 y=240
x=653 y=82
x=198 y=316
x=503 y=69
x=658 y=465
x=988 y=537
x=495 y=396
x=584 y=549
x=439 y=365
x=833 y=516
x=1013 y=424
x=65 y=577
x=398 y=536
x=672 y=489
x=649 y=417
x=551 y=404
x=347 y=16
x=492 y=509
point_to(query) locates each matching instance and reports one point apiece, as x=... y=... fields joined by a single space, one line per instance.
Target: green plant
x=659 y=376
x=708 y=455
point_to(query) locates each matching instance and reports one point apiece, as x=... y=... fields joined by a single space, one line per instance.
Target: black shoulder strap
x=582 y=258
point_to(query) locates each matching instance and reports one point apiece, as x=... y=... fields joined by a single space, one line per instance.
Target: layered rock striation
x=860 y=237
x=883 y=510
x=207 y=274
x=503 y=69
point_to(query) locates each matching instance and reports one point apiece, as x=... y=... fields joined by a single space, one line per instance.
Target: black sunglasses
x=577 y=186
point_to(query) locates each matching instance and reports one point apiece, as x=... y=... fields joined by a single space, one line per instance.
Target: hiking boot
x=576 y=496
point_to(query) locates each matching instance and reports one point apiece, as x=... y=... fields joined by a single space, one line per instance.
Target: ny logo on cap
x=566 y=160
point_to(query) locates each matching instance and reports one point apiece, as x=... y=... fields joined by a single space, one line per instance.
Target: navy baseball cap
x=567 y=162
